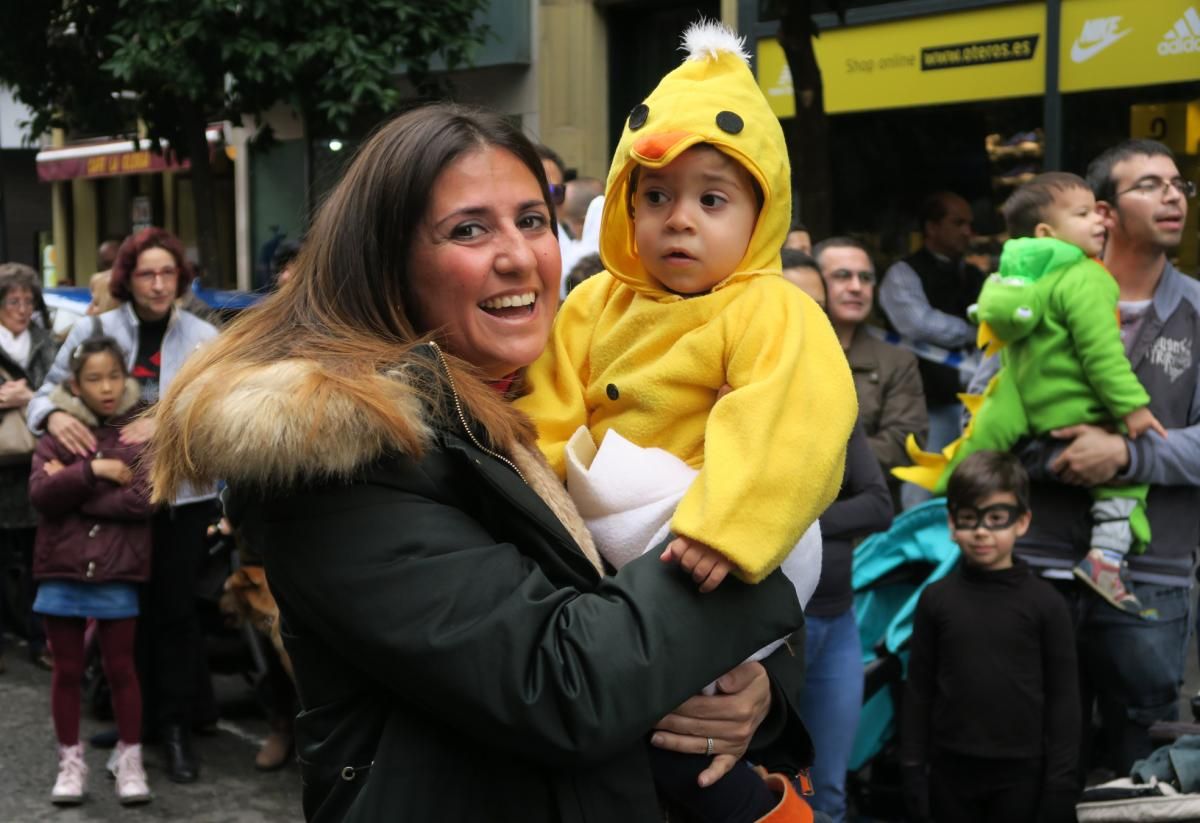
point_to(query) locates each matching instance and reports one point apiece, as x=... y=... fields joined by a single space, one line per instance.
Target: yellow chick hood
x=711 y=98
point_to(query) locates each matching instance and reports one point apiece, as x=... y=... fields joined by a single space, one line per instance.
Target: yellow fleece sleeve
x=775 y=446
x=557 y=380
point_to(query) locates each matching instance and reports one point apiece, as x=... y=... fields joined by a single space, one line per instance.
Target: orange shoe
x=791 y=807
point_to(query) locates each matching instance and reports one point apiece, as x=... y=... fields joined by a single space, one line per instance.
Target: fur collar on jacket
x=63 y=400
x=260 y=430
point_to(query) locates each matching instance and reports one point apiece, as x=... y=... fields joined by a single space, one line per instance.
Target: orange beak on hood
x=654 y=147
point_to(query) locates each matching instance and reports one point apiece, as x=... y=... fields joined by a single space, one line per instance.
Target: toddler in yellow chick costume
x=697 y=206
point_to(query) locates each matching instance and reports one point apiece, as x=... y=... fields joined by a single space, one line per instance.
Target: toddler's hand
x=1142 y=420
x=707 y=566
x=114 y=470
x=52 y=467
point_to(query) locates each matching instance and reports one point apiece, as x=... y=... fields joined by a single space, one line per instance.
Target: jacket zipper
x=462 y=418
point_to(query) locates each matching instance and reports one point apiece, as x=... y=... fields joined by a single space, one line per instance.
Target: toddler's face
x=1074 y=218
x=693 y=219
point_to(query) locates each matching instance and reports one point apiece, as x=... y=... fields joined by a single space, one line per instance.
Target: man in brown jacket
x=891 y=401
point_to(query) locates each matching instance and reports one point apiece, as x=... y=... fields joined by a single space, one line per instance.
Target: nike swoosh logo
x=1081 y=54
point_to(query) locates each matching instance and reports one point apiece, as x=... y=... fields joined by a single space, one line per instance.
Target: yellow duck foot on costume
x=791 y=807
x=927 y=468
x=973 y=402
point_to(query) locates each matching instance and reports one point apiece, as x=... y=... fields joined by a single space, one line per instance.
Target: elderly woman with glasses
x=26 y=352
x=157 y=336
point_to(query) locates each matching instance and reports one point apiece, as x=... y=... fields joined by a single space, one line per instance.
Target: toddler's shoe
x=791 y=807
x=1108 y=578
x=71 y=785
x=125 y=765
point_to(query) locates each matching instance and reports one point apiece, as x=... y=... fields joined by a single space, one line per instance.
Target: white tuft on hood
x=706 y=39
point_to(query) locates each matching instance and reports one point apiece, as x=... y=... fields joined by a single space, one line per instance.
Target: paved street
x=229 y=789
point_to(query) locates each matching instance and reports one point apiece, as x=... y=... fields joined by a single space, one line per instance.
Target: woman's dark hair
x=20 y=276
x=96 y=345
x=986 y=473
x=349 y=309
x=131 y=250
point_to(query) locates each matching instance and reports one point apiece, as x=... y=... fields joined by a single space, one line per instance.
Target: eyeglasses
x=166 y=273
x=993 y=518
x=558 y=193
x=867 y=278
x=1149 y=186
x=19 y=303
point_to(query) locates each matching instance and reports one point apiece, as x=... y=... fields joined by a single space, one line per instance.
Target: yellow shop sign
x=1113 y=43
x=974 y=55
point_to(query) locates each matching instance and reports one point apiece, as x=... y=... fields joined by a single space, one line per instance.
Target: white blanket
x=627 y=495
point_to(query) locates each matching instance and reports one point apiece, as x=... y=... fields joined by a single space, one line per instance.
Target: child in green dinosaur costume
x=1051 y=312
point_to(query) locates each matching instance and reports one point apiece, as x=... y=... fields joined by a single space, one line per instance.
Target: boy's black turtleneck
x=992 y=672
x=1012 y=576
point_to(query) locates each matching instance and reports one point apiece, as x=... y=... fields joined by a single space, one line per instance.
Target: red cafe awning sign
x=145 y=161
x=130 y=162
x=110 y=158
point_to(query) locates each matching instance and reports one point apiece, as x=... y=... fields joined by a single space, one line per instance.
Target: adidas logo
x=1184 y=36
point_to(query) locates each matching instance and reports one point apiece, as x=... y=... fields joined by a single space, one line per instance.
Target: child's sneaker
x=125 y=765
x=1109 y=579
x=71 y=785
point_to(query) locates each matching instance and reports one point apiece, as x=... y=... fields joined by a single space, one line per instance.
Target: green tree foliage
x=99 y=66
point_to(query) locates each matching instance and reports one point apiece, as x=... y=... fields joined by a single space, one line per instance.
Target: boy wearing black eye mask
x=990 y=719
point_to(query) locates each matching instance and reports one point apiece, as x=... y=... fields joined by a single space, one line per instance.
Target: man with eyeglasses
x=891 y=401
x=1132 y=667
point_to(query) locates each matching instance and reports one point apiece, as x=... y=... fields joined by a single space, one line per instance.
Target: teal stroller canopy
x=890 y=571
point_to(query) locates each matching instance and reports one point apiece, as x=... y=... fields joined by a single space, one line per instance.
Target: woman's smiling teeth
x=505 y=305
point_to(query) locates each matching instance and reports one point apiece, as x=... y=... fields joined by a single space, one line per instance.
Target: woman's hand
x=14 y=394
x=114 y=470
x=730 y=718
x=139 y=431
x=71 y=433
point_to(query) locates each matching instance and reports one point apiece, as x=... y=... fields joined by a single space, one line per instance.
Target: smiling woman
x=485 y=262
x=460 y=653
